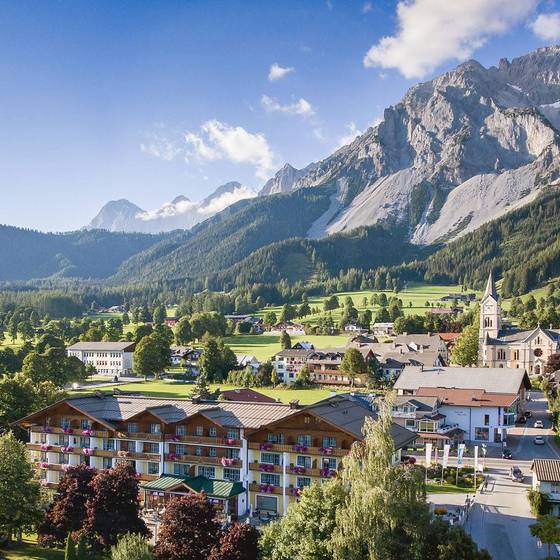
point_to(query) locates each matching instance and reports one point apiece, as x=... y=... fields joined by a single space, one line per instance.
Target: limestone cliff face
x=456 y=152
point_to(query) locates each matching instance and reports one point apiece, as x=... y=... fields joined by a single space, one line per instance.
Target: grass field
x=414 y=299
x=170 y=389
x=437 y=488
x=30 y=551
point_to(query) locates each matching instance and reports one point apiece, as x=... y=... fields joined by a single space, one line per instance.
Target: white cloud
x=351 y=134
x=431 y=32
x=277 y=72
x=547 y=26
x=220 y=141
x=218 y=203
x=161 y=147
x=167 y=210
x=300 y=107
x=367 y=8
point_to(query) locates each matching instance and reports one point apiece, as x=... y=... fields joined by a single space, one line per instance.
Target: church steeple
x=490 y=287
x=490 y=312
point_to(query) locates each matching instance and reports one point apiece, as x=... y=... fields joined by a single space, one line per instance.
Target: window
x=410 y=423
x=305 y=440
x=232 y=434
x=85 y=441
x=329 y=441
x=107 y=462
x=329 y=463
x=269 y=478
x=180 y=450
x=43 y=438
x=267 y=503
x=63 y=458
x=155 y=428
x=481 y=434
x=212 y=452
x=153 y=468
x=208 y=472
x=65 y=422
x=199 y=431
x=232 y=453
x=151 y=447
x=63 y=440
x=198 y=451
x=212 y=432
x=44 y=456
x=85 y=424
x=487 y=419
x=303 y=461
x=303 y=481
x=180 y=430
x=270 y=458
x=180 y=469
x=275 y=438
x=501 y=354
x=108 y=445
x=132 y=427
x=233 y=475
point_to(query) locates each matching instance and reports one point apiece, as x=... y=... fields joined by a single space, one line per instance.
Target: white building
x=288 y=362
x=482 y=402
x=108 y=358
x=546 y=479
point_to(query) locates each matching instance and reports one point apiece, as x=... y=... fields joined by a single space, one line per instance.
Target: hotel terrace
x=246 y=456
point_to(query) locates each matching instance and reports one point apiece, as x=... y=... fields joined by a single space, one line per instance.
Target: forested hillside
x=27 y=254
x=523 y=247
x=227 y=238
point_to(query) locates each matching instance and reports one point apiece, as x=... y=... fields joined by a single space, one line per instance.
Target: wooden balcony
x=198 y=459
x=257 y=467
x=283 y=448
x=148 y=477
x=255 y=487
x=203 y=440
x=140 y=435
x=75 y=431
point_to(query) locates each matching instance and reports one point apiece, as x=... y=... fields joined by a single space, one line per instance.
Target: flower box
x=266 y=468
x=265 y=446
x=46 y=429
x=172 y=456
x=123 y=453
x=89 y=451
x=297 y=448
x=66 y=449
x=175 y=438
x=227 y=461
x=327 y=473
x=87 y=432
x=295 y=491
x=45 y=447
x=230 y=441
x=266 y=488
x=325 y=450
x=68 y=430
x=44 y=465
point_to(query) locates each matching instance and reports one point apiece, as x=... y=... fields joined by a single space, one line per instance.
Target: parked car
x=506 y=453
x=528 y=414
x=516 y=474
x=539 y=440
x=538 y=424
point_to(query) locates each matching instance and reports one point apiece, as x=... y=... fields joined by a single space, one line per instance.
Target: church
x=512 y=348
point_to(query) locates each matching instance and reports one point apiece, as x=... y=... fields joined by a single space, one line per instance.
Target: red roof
x=467 y=397
x=245 y=395
x=449 y=336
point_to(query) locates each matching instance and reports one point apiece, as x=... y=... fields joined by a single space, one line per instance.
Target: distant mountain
x=180 y=213
x=27 y=254
x=285 y=179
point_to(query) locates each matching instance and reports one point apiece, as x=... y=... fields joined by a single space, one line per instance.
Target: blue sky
x=147 y=100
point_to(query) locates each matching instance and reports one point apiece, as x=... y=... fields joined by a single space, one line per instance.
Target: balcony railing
x=140 y=435
x=69 y=431
x=172 y=457
x=283 y=448
x=265 y=488
x=265 y=467
x=203 y=440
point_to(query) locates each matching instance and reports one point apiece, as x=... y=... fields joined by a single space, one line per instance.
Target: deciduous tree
x=238 y=542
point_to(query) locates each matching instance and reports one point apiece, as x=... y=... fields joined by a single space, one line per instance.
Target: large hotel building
x=245 y=456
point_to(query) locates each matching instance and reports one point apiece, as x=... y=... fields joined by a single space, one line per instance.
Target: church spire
x=490 y=287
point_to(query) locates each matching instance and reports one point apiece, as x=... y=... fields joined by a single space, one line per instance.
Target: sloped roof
x=468 y=397
x=546 y=470
x=245 y=395
x=213 y=488
x=492 y=380
x=103 y=346
x=420 y=402
x=490 y=287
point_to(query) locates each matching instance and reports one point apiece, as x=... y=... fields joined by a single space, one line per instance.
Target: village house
x=383 y=329
x=482 y=402
x=288 y=363
x=546 y=480
x=244 y=360
x=246 y=456
x=509 y=347
x=293 y=329
x=108 y=358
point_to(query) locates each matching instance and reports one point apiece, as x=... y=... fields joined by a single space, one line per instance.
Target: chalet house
x=546 y=479
x=293 y=329
x=460 y=296
x=303 y=345
x=177 y=354
x=482 y=402
x=422 y=415
x=383 y=329
x=244 y=360
x=422 y=342
x=108 y=358
x=288 y=363
x=171 y=321
x=245 y=456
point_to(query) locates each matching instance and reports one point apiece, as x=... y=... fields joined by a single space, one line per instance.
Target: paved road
x=500 y=517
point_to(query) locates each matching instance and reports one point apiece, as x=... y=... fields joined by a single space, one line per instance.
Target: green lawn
x=183 y=390
x=436 y=487
x=264 y=346
x=30 y=551
x=414 y=299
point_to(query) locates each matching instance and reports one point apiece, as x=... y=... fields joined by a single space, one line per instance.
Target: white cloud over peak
x=277 y=72
x=218 y=203
x=221 y=141
x=431 y=32
x=547 y=26
x=300 y=107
